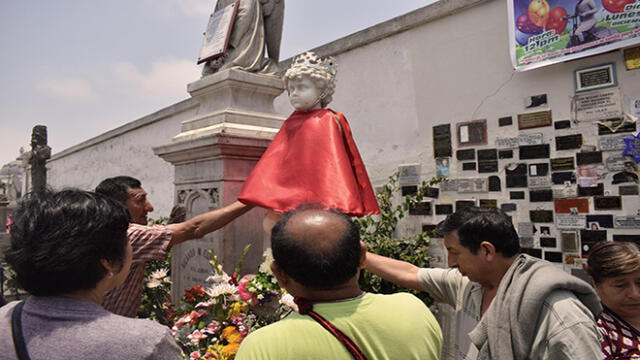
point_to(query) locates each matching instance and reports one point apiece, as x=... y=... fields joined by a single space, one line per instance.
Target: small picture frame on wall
x=472 y=133
x=595 y=77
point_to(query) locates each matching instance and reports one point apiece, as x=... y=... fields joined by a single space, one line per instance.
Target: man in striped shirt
x=153 y=242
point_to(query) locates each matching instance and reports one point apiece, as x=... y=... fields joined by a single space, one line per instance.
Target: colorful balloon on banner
x=556 y=20
x=525 y=28
x=616 y=6
x=539 y=12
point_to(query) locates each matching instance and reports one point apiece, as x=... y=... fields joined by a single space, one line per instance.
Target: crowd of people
x=81 y=255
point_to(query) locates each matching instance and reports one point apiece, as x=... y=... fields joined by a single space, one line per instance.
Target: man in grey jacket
x=507 y=305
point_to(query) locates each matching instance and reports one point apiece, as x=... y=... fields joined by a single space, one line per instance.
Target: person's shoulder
x=135 y=230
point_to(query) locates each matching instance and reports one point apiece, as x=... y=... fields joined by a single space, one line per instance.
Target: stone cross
x=38 y=156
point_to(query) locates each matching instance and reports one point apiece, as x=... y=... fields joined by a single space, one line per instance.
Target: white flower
x=153 y=283
x=219 y=279
x=260 y=297
x=159 y=274
x=265 y=267
x=287 y=300
x=222 y=289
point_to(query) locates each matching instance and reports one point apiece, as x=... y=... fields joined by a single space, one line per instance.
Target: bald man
x=318 y=257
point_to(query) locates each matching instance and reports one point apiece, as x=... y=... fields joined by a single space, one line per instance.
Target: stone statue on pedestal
x=38 y=157
x=258 y=24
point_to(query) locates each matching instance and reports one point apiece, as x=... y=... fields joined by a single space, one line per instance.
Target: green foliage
x=379 y=233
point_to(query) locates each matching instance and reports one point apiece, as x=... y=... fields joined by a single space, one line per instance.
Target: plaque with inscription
x=571 y=206
x=468 y=166
x=442 y=140
x=468 y=154
x=505 y=121
x=526 y=242
x=432 y=192
x=565 y=191
x=444 y=209
x=487 y=166
x=542 y=195
x=494 y=183
x=563 y=177
x=568 y=142
x=472 y=133
x=553 y=256
x=571 y=221
x=218 y=33
x=487 y=154
x=591 y=190
x=635 y=238
x=618 y=162
x=627 y=222
x=530 y=139
x=589 y=157
x=595 y=77
x=409 y=174
x=516 y=175
x=590 y=238
x=534 y=152
x=607 y=203
x=421 y=208
x=564 y=163
x=615 y=126
x=541 y=216
x=569 y=241
x=449 y=185
x=548 y=242
x=539 y=181
x=488 y=203
x=516 y=195
x=613 y=143
x=409 y=190
x=539 y=169
x=628 y=190
x=430 y=229
x=534 y=120
x=562 y=124
x=531 y=251
x=473 y=185
x=602 y=221
x=509 y=207
x=507 y=143
x=505 y=154
x=461 y=204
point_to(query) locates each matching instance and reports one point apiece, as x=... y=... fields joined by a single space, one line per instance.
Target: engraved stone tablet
x=569 y=142
x=449 y=185
x=542 y=195
x=539 y=181
x=218 y=32
x=444 y=209
x=442 y=140
x=505 y=154
x=516 y=195
x=494 y=183
x=487 y=154
x=598 y=105
x=505 y=121
x=564 y=163
x=541 y=216
x=534 y=120
x=525 y=229
x=565 y=191
x=432 y=192
x=562 y=124
x=507 y=143
x=468 y=154
x=487 y=166
x=534 y=152
x=516 y=176
x=590 y=157
x=409 y=174
x=473 y=185
x=607 y=203
x=468 y=166
x=530 y=139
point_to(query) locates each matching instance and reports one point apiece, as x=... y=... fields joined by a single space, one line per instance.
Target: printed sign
x=571 y=221
x=613 y=143
x=627 y=222
x=598 y=105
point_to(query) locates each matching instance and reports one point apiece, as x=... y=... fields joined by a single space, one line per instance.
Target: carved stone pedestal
x=212 y=155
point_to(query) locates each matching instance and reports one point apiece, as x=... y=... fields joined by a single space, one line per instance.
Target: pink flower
x=196 y=336
x=212 y=328
x=243 y=291
x=183 y=320
x=194 y=355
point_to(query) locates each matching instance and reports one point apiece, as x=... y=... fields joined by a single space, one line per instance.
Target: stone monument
x=215 y=151
x=40 y=153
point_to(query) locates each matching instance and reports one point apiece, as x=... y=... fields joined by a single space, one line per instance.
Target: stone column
x=212 y=155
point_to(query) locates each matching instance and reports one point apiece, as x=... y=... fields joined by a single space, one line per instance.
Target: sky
x=84 y=67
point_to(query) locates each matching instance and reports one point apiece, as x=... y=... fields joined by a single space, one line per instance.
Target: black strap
x=16 y=330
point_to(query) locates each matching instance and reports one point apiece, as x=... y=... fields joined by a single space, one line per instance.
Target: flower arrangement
x=212 y=321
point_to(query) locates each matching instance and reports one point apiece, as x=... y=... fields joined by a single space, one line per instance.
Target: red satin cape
x=311 y=160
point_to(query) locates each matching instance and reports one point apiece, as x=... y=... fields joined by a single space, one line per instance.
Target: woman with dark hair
x=615 y=270
x=68 y=249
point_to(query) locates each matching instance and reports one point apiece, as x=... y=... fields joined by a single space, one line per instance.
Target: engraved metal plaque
x=595 y=77
x=542 y=195
x=516 y=176
x=530 y=139
x=494 y=183
x=216 y=38
x=569 y=142
x=507 y=143
x=615 y=126
x=468 y=154
x=444 y=209
x=505 y=154
x=487 y=166
x=613 y=143
x=488 y=203
x=565 y=191
x=461 y=204
x=505 y=121
x=563 y=177
x=571 y=221
x=509 y=207
x=548 y=242
x=534 y=152
x=607 y=203
x=409 y=174
x=409 y=190
x=564 y=163
x=627 y=238
x=590 y=157
x=569 y=241
x=468 y=166
x=562 y=124
x=449 y=185
x=421 y=208
x=628 y=190
x=539 y=182
x=487 y=154
x=534 y=120
x=432 y=192
x=473 y=185
x=516 y=195
x=541 y=216
x=591 y=190
x=442 y=140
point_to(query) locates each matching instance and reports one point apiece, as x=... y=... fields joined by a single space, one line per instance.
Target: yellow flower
x=232 y=335
x=229 y=351
x=237 y=308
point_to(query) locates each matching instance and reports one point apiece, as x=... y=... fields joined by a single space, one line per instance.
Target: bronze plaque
x=541 y=216
x=487 y=166
x=468 y=166
x=444 y=209
x=468 y=154
x=534 y=120
x=568 y=142
x=590 y=157
x=488 y=203
x=565 y=163
x=528 y=152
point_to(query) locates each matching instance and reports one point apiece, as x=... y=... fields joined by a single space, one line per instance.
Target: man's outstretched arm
x=201 y=225
x=398 y=272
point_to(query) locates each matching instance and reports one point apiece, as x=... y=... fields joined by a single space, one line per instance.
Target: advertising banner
x=544 y=32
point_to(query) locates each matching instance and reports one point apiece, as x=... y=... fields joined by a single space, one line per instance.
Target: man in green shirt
x=318 y=257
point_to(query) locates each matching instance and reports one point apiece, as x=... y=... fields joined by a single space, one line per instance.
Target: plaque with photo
x=615 y=126
x=539 y=169
x=541 y=216
x=607 y=203
x=505 y=154
x=516 y=195
x=601 y=221
x=528 y=152
x=487 y=166
x=563 y=177
x=516 y=175
x=571 y=206
x=589 y=157
x=563 y=163
x=534 y=120
x=494 y=183
x=628 y=190
x=442 y=167
x=461 y=204
x=568 y=142
x=467 y=154
x=444 y=209
x=472 y=133
x=553 y=256
x=488 y=203
x=548 y=242
x=442 y=141
x=468 y=166
x=562 y=124
x=421 y=208
x=542 y=195
x=589 y=238
x=505 y=121
x=509 y=207
x=591 y=190
x=545 y=231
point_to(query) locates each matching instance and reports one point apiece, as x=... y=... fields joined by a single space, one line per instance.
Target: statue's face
x=304 y=95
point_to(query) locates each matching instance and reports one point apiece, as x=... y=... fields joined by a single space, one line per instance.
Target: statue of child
x=313 y=159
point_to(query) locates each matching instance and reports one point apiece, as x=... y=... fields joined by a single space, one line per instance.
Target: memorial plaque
x=409 y=174
x=563 y=177
x=487 y=154
x=516 y=195
x=541 y=216
x=534 y=120
x=449 y=185
x=444 y=209
x=571 y=206
x=442 y=140
x=516 y=175
x=628 y=190
x=507 y=143
x=595 y=77
x=539 y=169
x=430 y=229
x=562 y=124
x=488 y=203
x=525 y=229
x=530 y=139
x=602 y=221
x=461 y=204
x=569 y=142
x=539 y=181
x=468 y=154
x=526 y=242
x=607 y=203
x=613 y=143
x=589 y=157
x=589 y=238
x=494 y=183
x=635 y=238
x=553 y=256
x=421 y=208
x=615 y=126
x=548 y=242
x=565 y=191
x=534 y=152
x=409 y=190
x=617 y=162
x=597 y=105
x=565 y=163
x=472 y=133
x=571 y=221
x=472 y=185
x=569 y=241
x=505 y=154
x=432 y=192
x=542 y=195
x=442 y=167
x=216 y=37
x=627 y=222
x=487 y=166
x=632 y=58
x=509 y=207
x=531 y=251
x=469 y=166
x=591 y=190
x=505 y=121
